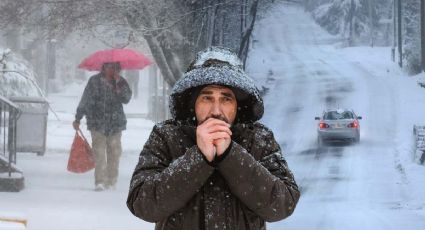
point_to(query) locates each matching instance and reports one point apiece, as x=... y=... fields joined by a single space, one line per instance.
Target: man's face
x=217 y=102
x=111 y=70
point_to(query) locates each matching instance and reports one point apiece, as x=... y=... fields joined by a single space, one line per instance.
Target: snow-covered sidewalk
x=54 y=198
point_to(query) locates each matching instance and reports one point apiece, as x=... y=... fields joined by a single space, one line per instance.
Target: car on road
x=338 y=125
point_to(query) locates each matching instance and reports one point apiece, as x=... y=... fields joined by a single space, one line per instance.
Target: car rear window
x=334 y=115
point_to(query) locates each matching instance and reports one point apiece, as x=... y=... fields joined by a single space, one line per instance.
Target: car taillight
x=323 y=125
x=354 y=125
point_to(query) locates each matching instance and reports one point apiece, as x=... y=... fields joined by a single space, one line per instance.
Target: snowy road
x=362 y=186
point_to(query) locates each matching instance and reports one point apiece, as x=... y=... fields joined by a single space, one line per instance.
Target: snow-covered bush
x=357 y=21
x=351 y=20
x=17 y=79
x=344 y=18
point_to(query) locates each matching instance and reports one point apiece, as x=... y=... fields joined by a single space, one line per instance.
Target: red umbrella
x=129 y=59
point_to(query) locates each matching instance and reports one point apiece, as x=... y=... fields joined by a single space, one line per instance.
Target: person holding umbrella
x=102 y=104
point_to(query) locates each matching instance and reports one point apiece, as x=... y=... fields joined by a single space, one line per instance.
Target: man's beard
x=219 y=117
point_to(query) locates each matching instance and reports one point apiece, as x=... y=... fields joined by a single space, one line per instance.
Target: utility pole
x=423 y=34
x=394 y=31
x=371 y=22
x=153 y=94
x=164 y=104
x=50 y=65
x=400 y=50
x=350 y=18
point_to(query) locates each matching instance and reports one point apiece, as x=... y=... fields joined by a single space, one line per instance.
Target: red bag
x=81 y=157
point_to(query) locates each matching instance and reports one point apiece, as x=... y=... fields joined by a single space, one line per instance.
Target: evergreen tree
x=356 y=21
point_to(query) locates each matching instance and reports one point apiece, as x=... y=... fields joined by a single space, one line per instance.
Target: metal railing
x=9 y=114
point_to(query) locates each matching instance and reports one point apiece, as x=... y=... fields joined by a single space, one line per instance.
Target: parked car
x=338 y=125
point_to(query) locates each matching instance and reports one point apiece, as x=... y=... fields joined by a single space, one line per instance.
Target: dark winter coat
x=101 y=103
x=174 y=186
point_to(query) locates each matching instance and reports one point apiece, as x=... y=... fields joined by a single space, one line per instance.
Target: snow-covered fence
x=419 y=149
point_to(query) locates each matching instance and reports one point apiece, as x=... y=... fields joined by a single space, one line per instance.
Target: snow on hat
x=216 y=66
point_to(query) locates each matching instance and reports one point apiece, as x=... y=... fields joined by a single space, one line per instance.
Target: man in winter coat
x=101 y=103
x=213 y=166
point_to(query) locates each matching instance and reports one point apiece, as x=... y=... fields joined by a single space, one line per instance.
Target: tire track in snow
x=382 y=127
x=333 y=179
x=341 y=181
x=390 y=102
x=308 y=72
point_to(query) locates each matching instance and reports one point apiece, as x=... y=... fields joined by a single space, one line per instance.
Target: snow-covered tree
x=412 y=35
x=357 y=21
x=350 y=19
x=174 y=30
x=17 y=78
